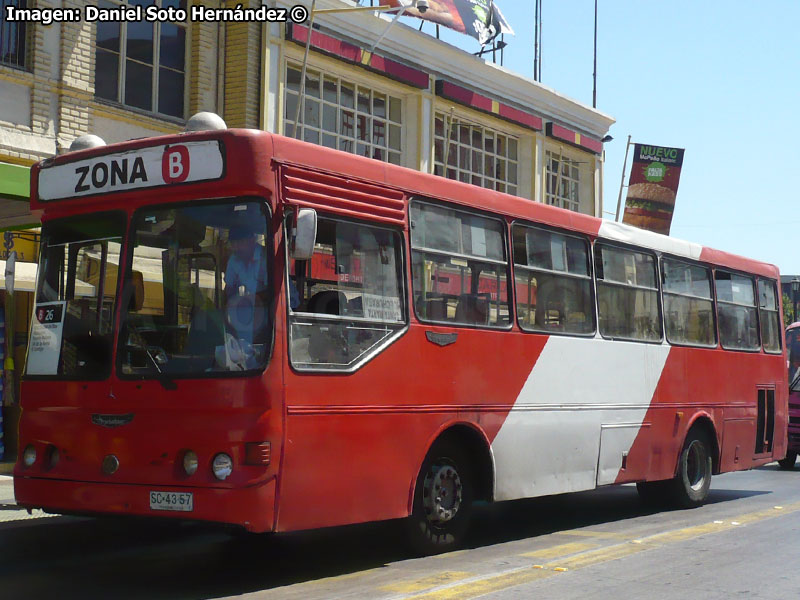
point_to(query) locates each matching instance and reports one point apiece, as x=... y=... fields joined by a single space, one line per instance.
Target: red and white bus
x=237 y=327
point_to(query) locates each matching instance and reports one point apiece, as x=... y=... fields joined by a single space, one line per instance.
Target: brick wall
x=242 y=70
x=60 y=81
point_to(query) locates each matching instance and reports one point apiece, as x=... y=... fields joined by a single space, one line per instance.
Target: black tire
x=690 y=486
x=443 y=498
x=787 y=464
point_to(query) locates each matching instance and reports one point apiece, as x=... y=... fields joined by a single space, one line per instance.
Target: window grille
x=477 y=154
x=12 y=36
x=140 y=64
x=344 y=115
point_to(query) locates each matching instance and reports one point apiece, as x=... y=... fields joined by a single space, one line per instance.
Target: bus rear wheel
x=690 y=486
x=443 y=498
x=787 y=464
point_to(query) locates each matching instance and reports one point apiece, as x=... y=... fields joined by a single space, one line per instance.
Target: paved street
x=741 y=544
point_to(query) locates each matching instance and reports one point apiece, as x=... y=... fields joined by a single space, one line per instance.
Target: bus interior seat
x=329 y=302
x=472 y=309
x=437 y=309
x=355 y=307
x=137 y=293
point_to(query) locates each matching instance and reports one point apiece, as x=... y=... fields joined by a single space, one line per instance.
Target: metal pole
x=541 y=49
x=301 y=97
x=383 y=35
x=536 y=41
x=594 y=73
x=622 y=181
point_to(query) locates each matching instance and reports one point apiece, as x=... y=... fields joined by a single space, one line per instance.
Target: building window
x=563 y=177
x=12 y=36
x=343 y=115
x=142 y=64
x=476 y=154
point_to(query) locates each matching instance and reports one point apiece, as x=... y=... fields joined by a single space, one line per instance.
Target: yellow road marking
x=485 y=585
x=595 y=534
x=427 y=583
x=560 y=550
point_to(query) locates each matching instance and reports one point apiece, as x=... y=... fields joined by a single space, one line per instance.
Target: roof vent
x=205 y=121
x=85 y=142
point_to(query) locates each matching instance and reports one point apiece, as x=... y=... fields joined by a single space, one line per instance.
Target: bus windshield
x=198 y=291
x=72 y=330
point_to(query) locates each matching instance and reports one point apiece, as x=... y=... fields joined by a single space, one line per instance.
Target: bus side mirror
x=304 y=234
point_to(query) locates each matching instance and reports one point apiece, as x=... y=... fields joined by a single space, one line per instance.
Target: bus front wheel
x=787 y=464
x=443 y=498
x=690 y=486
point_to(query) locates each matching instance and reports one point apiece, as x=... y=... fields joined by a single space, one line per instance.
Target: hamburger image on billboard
x=652 y=188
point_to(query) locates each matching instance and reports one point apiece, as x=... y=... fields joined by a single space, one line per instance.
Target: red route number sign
x=175 y=164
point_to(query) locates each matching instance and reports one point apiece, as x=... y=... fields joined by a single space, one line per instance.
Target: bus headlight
x=53 y=456
x=190 y=462
x=29 y=456
x=222 y=466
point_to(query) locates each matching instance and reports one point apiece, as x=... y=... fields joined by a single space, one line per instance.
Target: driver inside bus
x=246 y=290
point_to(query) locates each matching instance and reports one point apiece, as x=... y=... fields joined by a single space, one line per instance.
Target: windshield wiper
x=163 y=378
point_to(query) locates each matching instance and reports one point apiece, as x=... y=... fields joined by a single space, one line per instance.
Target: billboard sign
x=652 y=187
x=480 y=19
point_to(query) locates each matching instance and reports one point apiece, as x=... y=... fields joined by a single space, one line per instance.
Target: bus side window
x=350 y=296
x=627 y=293
x=459 y=266
x=736 y=307
x=553 y=283
x=688 y=303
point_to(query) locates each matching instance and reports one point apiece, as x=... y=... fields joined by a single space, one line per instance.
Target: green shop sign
x=15 y=182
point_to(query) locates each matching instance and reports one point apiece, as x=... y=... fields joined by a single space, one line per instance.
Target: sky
x=720 y=79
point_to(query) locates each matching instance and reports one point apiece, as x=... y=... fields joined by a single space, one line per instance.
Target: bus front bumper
x=252 y=507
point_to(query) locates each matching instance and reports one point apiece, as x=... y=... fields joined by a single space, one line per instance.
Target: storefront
x=16 y=223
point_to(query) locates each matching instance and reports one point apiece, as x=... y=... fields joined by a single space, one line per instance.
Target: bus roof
x=238 y=168
x=413 y=182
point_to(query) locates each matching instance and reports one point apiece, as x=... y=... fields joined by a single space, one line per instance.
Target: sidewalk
x=9 y=511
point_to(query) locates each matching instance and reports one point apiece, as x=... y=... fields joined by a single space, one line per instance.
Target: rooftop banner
x=480 y=19
x=652 y=188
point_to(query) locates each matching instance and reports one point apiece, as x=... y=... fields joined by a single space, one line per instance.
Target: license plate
x=180 y=501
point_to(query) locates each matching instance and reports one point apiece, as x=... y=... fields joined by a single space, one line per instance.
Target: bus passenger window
x=552 y=281
x=458 y=265
x=350 y=296
x=736 y=305
x=688 y=306
x=769 y=316
x=627 y=294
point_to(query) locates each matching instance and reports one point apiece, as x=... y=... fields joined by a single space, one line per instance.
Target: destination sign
x=141 y=168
